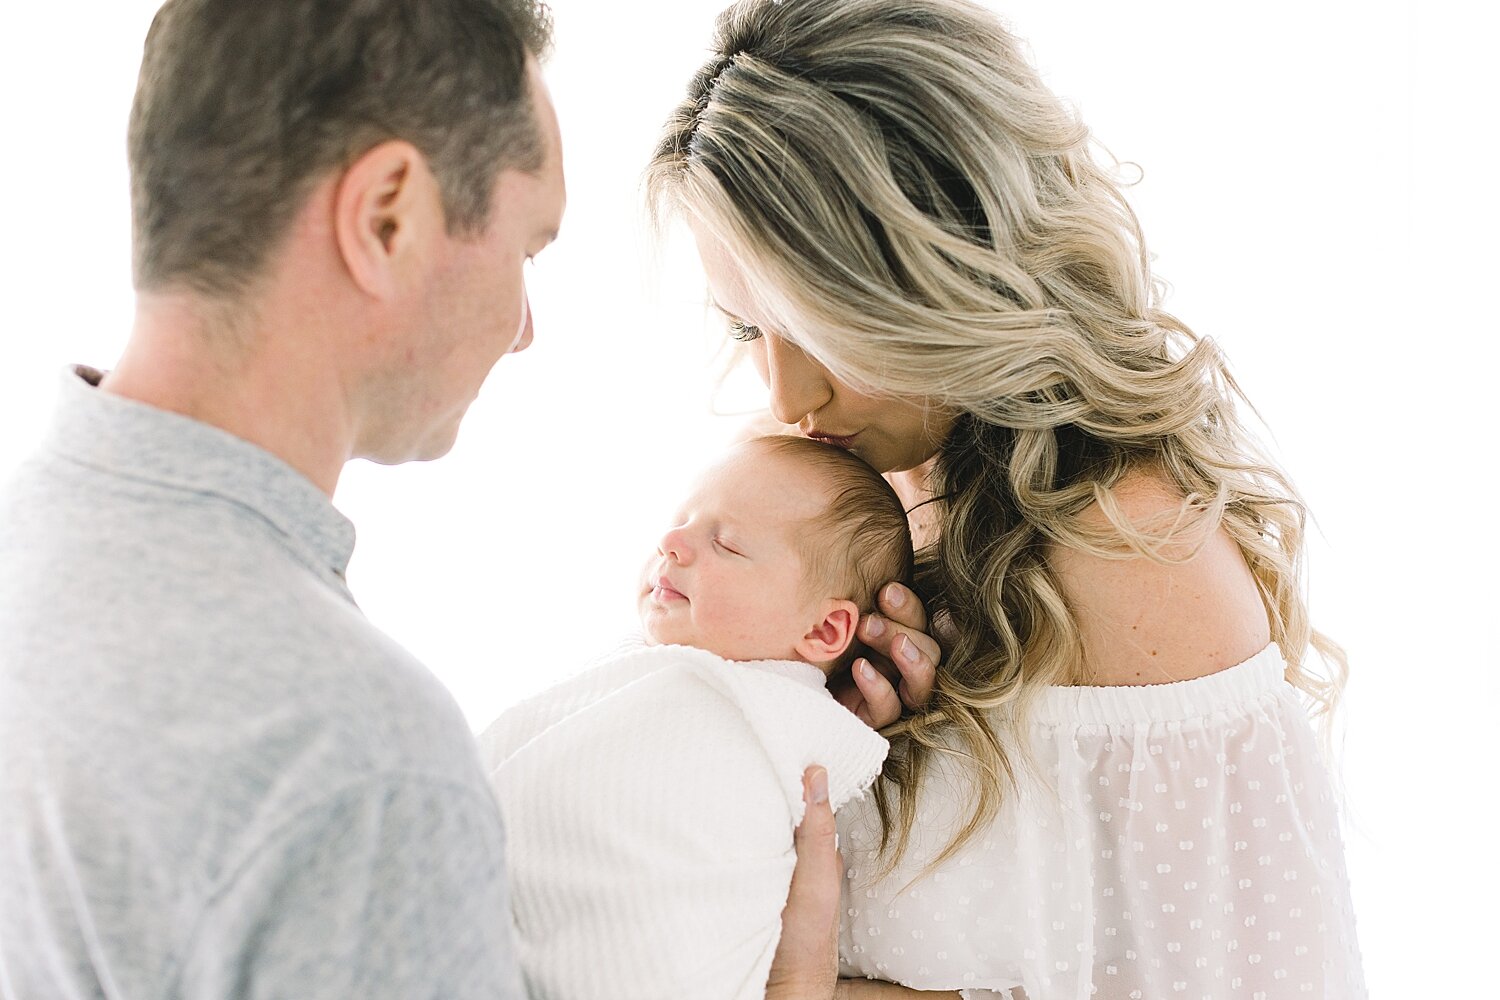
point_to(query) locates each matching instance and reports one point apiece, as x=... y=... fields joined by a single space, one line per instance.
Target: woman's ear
x=831 y=636
x=386 y=204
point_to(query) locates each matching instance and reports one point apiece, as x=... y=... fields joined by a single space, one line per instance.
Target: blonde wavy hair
x=917 y=212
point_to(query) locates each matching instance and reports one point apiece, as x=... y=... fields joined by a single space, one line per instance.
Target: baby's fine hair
x=861 y=540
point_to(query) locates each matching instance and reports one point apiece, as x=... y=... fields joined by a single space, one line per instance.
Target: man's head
x=377 y=171
x=776 y=554
x=242 y=108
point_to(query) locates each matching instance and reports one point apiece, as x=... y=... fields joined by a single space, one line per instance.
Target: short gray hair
x=242 y=107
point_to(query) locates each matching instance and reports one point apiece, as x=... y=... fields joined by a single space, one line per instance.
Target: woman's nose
x=798 y=384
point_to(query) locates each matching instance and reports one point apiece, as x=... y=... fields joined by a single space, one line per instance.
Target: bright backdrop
x=1318 y=190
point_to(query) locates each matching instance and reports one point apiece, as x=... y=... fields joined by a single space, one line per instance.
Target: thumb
x=806 y=962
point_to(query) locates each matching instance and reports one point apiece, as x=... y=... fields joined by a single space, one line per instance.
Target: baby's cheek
x=764 y=627
x=708 y=624
x=744 y=619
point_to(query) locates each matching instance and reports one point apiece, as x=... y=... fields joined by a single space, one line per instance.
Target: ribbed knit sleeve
x=650 y=830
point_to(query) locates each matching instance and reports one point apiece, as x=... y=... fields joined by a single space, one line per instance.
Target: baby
x=650 y=802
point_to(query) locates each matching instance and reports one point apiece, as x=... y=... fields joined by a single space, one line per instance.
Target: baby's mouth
x=662 y=592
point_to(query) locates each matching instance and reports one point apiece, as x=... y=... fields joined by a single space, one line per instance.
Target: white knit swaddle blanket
x=649 y=805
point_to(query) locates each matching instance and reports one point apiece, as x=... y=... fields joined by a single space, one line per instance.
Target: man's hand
x=901 y=660
x=807 y=961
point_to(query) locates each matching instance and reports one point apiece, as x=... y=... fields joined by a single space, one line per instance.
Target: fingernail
x=866 y=671
x=819 y=786
x=906 y=649
x=874 y=626
x=895 y=596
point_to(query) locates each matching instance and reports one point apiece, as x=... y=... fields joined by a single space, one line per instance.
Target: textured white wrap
x=649 y=805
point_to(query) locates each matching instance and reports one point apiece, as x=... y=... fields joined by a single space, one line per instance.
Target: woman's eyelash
x=743 y=332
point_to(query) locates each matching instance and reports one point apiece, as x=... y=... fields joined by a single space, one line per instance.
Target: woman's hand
x=900 y=662
x=874 y=989
x=806 y=966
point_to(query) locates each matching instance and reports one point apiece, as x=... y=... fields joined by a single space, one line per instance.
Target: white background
x=1319 y=190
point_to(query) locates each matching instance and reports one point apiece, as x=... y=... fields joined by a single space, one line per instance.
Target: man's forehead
x=548 y=125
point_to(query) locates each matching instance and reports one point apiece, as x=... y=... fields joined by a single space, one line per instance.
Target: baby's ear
x=832 y=635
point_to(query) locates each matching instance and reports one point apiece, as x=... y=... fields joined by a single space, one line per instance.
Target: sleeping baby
x=650 y=802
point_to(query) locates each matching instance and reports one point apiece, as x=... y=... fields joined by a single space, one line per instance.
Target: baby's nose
x=676 y=545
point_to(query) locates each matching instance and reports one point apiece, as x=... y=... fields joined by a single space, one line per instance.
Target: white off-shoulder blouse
x=1179 y=840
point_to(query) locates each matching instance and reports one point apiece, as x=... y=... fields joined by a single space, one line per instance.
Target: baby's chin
x=658 y=631
x=670 y=626
x=649 y=633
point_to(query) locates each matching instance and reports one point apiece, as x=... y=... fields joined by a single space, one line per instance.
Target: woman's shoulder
x=1145 y=621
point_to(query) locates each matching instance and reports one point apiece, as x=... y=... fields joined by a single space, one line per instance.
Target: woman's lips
x=835 y=440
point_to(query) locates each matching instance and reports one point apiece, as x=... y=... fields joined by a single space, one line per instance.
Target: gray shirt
x=217 y=779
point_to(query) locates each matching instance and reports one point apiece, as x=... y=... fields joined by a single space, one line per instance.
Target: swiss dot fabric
x=1180 y=840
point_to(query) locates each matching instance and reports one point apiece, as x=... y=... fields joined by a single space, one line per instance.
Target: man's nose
x=798 y=384
x=524 y=340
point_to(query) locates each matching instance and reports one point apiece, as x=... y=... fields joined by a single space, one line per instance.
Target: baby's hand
x=900 y=664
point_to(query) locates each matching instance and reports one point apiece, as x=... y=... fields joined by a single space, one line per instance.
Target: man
x=217 y=779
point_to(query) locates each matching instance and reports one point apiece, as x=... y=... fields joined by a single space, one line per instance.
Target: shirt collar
x=795 y=670
x=129 y=438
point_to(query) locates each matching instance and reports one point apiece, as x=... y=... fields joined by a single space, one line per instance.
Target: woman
x=1113 y=789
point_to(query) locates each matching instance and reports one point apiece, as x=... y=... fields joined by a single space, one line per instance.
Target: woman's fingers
x=884 y=636
x=806 y=962
x=899 y=613
x=914 y=656
x=878 y=704
x=901 y=661
x=901 y=605
x=918 y=674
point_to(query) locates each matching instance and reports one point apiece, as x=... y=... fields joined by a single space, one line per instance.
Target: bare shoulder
x=1146 y=622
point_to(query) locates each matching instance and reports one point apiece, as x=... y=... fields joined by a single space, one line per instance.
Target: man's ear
x=386 y=205
x=827 y=640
